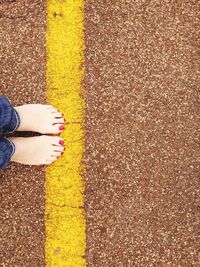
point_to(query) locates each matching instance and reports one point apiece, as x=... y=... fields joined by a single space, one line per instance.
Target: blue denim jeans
x=9 y=122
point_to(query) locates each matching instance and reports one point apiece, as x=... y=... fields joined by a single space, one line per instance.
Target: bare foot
x=37 y=150
x=39 y=118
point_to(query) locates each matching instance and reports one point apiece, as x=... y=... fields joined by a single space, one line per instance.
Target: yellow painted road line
x=64 y=213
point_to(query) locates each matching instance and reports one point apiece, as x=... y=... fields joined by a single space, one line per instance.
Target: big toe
x=57 y=141
x=57 y=128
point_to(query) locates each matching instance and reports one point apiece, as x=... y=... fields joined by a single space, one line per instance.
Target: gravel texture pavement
x=22 y=72
x=142 y=184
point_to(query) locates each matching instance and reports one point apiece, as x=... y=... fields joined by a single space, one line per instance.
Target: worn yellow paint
x=64 y=213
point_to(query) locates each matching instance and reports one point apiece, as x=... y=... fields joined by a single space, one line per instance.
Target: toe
x=54 y=111
x=56 y=128
x=58 y=142
x=50 y=107
x=51 y=160
x=58 y=115
x=59 y=149
x=59 y=127
x=56 y=154
x=58 y=120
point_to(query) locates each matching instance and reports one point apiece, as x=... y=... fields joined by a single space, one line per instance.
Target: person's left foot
x=44 y=119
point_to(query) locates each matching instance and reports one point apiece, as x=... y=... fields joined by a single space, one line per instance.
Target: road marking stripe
x=64 y=213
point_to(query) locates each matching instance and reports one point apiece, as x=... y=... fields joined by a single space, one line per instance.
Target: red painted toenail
x=61 y=142
x=61 y=127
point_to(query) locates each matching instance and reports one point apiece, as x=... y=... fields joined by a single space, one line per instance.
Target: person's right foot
x=37 y=150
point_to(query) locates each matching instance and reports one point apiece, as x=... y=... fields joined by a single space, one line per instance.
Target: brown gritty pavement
x=22 y=72
x=142 y=183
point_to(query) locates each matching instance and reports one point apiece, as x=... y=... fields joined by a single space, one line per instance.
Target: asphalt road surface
x=141 y=131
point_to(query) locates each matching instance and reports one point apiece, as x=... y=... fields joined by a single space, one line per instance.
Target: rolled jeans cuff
x=7 y=149
x=9 y=117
